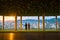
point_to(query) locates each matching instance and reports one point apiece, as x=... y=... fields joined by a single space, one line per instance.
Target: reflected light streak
x=11 y=36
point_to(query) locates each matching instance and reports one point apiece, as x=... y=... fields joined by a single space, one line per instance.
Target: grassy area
x=31 y=30
x=26 y=31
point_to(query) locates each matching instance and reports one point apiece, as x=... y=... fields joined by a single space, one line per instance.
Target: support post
x=38 y=23
x=3 y=24
x=43 y=24
x=15 y=26
x=56 y=23
x=21 y=23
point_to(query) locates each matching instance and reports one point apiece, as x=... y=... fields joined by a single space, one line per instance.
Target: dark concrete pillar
x=3 y=24
x=38 y=23
x=15 y=26
x=20 y=22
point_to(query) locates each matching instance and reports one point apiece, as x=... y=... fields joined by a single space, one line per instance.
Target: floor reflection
x=19 y=36
x=29 y=36
x=8 y=36
x=11 y=36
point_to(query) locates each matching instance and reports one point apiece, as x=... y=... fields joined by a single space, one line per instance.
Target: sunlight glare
x=12 y=18
x=1 y=18
x=11 y=36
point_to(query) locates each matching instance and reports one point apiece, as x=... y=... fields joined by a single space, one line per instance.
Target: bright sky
x=58 y=16
x=6 y=18
x=30 y=17
x=18 y=17
x=41 y=18
x=47 y=17
x=1 y=18
x=50 y=17
x=26 y=17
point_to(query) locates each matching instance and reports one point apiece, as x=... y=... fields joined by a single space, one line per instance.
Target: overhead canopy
x=29 y=7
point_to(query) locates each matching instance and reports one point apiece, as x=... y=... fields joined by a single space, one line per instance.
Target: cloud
x=41 y=17
x=50 y=17
x=18 y=17
x=29 y=17
x=1 y=17
x=58 y=16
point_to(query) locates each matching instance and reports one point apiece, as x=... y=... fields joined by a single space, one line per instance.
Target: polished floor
x=30 y=36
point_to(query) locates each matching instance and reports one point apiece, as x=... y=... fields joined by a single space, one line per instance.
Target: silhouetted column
x=38 y=23
x=3 y=24
x=15 y=27
x=43 y=23
x=56 y=23
x=21 y=23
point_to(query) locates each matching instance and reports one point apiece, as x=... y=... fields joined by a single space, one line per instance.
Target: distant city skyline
x=33 y=24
